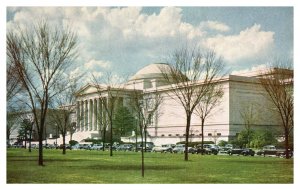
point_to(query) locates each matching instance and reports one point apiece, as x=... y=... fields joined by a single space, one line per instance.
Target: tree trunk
x=145 y=141
x=25 y=139
x=286 y=136
x=202 y=136
x=41 y=161
x=136 y=145
x=187 y=132
x=142 y=151
x=64 y=143
x=111 y=139
x=104 y=134
x=30 y=136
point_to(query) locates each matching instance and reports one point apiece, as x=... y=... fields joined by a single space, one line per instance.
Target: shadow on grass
x=259 y=162
x=129 y=167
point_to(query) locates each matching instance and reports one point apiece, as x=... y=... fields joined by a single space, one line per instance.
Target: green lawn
x=98 y=167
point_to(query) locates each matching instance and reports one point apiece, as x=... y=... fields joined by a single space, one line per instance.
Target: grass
x=124 y=167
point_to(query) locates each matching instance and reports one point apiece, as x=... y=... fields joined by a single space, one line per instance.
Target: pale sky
x=124 y=39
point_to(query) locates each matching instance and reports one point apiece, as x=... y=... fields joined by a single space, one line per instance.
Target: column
x=99 y=114
x=104 y=121
x=90 y=115
x=81 y=115
x=78 y=115
x=86 y=114
x=95 y=115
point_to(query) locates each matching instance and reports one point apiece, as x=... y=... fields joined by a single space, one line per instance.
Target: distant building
x=225 y=122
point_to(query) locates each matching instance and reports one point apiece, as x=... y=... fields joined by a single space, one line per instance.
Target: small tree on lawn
x=204 y=108
x=278 y=82
x=108 y=90
x=190 y=77
x=41 y=55
x=145 y=107
x=64 y=106
x=250 y=116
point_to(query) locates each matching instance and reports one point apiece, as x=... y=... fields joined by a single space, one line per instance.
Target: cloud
x=248 y=43
x=252 y=70
x=215 y=25
x=93 y=64
x=124 y=39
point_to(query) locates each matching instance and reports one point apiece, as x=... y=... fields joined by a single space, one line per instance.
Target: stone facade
x=168 y=125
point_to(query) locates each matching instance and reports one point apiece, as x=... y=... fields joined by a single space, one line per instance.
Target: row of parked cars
x=269 y=150
x=115 y=147
x=180 y=148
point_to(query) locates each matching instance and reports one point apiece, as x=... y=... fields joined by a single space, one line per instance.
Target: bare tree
x=41 y=55
x=208 y=102
x=66 y=104
x=109 y=94
x=145 y=107
x=13 y=83
x=12 y=121
x=278 y=81
x=249 y=116
x=189 y=77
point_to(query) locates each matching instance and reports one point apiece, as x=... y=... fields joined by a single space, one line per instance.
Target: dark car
x=149 y=147
x=207 y=149
x=282 y=153
x=237 y=151
x=241 y=151
x=248 y=152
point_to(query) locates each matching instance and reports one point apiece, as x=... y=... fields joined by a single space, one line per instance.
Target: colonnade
x=91 y=114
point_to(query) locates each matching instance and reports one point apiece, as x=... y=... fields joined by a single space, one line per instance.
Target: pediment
x=87 y=89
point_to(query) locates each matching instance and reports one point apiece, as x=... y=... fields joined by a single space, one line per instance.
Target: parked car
x=149 y=146
x=191 y=150
x=248 y=152
x=271 y=150
x=237 y=151
x=179 y=148
x=241 y=151
x=66 y=145
x=85 y=146
x=125 y=147
x=163 y=148
x=75 y=147
x=97 y=147
x=282 y=153
x=207 y=149
x=224 y=150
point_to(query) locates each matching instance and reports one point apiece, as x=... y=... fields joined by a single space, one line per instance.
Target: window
x=162 y=135
x=209 y=134
x=177 y=135
x=219 y=134
x=170 y=135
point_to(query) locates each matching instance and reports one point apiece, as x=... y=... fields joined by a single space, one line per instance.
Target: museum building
x=168 y=124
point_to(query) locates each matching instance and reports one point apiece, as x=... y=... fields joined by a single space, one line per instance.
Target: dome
x=152 y=71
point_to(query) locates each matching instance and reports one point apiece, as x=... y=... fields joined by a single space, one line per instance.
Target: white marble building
x=224 y=123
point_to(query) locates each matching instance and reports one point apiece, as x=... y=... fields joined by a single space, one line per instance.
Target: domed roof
x=151 y=71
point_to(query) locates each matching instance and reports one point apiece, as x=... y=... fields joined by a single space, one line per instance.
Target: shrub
x=73 y=142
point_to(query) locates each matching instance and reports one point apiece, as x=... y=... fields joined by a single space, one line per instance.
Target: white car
x=163 y=148
x=179 y=148
x=97 y=147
